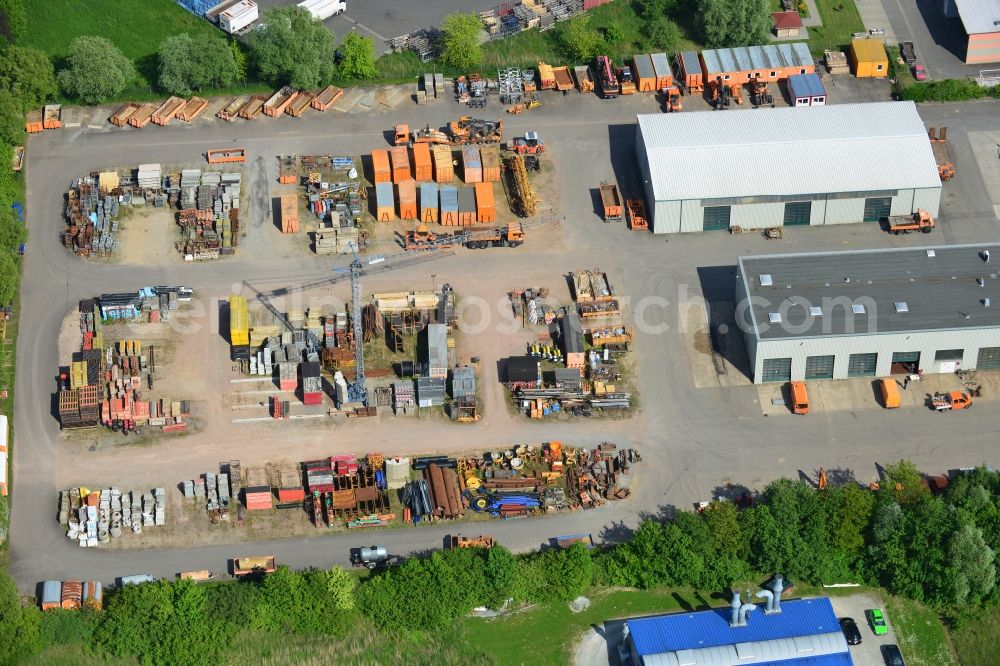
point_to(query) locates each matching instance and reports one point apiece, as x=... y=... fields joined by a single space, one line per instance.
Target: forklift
x=721 y=95
x=760 y=95
x=671 y=99
x=529 y=144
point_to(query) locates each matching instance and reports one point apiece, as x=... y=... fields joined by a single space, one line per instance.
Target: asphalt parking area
x=869 y=652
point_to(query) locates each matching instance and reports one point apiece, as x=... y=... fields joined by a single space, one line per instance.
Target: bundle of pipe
x=514 y=503
x=416 y=497
x=442 y=499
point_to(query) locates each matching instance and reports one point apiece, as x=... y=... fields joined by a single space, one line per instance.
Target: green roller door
x=819 y=367
x=862 y=365
x=776 y=370
x=877 y=208
x=989 y=358
x=797 y=213
x=716 y=218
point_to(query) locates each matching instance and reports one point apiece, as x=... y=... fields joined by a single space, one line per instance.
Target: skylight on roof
x=901 y=306
x=765 y=280
x=815 y=311
x=931 y=253
x=774 y=317
x=857 y=308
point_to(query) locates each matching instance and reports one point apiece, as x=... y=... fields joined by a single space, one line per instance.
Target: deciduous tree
x=13 y=20
x=358 y=57
x=972 y=572
x=579 y=40
x=663 y=33
x=186 y=65
x=28 y=75
x=460 y=41
x=96 y=72
x=292 y=48
x=11 y=122
x=728 y=23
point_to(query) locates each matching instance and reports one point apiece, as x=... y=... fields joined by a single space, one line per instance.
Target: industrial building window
x=797 y=213
x=989 y=358
x=717 y=218
x=949 y=355
x=819 y=367
x=862 y=365
x=776 y=370
x=876 y=208
x=905 y=363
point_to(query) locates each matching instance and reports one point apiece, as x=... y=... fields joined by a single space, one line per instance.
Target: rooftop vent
x=981 y=282
x=857 y=308
x=815 y=311
x=931 y=253
x=774 y=317
x=901 y=306
x=985 y=254
x=765 y=280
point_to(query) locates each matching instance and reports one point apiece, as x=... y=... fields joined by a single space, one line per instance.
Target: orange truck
x=611 y=201
x=921 y=221
x=223 y=155
x=261 y=564
x=563 y=79
x=481 y=541
x=951 y=401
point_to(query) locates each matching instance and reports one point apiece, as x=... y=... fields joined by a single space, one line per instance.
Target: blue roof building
x=806 y=90
x=804 y=633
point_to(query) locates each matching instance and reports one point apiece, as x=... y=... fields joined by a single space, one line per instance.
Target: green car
x=878 y=622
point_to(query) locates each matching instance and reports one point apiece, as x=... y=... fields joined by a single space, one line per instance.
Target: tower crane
x=356 y=390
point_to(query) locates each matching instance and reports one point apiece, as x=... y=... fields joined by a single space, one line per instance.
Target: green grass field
x=922 y=637
x=976 y=641
x=136 y=26
x=840 y=21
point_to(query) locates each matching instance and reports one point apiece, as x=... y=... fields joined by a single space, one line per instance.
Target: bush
x=460 y=41
x=948 y=90
x=97 y=70
x=186 y=65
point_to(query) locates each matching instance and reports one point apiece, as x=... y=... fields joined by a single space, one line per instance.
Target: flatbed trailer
x=244 y=566
x=939 y=144
x=511 y=235
x=223 y=155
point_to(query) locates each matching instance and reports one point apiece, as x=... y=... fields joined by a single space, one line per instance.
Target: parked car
x=919 y=73
x=892 y=656
x=851 y=631
x=877 y=620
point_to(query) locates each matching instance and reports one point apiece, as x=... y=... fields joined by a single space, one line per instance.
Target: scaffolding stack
x=511 y=85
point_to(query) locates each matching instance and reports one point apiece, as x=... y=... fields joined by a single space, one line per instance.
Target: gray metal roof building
x=981 y=21
x=870 y=313
x=816 y=166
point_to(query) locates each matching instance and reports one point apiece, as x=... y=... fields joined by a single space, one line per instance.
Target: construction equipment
x=921 y=221
x=584 y=79
x=611 y=201
x=939 y=144
x=637 y=220
x=610 y=88
x=422 y=238
x=372 y=557
x=467 y=130
x=822 y=482
x=223 y=155
x=760 y=94
x=625 y=80
x=951 y=401
x=671 y=99
x=721 y=95
x=481 y=541
x=356 y=390
x=529 y=144
x=401 y=135
x=522 y=191
x=524 y=106
x=244 y=566
x=432 y=136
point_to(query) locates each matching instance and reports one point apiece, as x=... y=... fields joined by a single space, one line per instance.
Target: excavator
x=671 y=98
x=459 y=132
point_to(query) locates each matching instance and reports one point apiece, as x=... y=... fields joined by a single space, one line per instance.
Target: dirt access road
x=693 y=440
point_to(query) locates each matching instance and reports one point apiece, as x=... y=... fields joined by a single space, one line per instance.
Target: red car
x=919 y=73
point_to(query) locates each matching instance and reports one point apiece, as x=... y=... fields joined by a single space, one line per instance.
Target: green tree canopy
x=96 y=71
x=663 y=33
x=973 y=572
x=358 y=57
x=11 y=122
x=460 y=41
x=292 y=48
x=19 y=625
x=728 y=23
x=13 y=20
x=579 y=40
x=186 y=65
x=28 y=75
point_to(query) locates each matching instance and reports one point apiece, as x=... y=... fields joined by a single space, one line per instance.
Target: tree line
x=938 y=549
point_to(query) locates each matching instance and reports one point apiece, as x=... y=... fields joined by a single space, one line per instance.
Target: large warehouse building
x=804 y=633
x=815 y=166
x=981 y=22
x=870 y=313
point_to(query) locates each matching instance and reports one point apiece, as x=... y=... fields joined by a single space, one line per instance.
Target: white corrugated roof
x=979 y=16
x=788 y=151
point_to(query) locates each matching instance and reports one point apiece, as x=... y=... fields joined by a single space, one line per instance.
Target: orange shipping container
x=380 y=167
x=400 y=158
x=166 y=111
x=194 y=108
x=490 y=155
x=385 y=207
x=407 y=199
x=486 y=209
x=141 y=117
x=472 y=164
x=52 y=116
x=289 y=214
x=327 y=98
x=33 y=122
x=422 y=169
x=444 y=165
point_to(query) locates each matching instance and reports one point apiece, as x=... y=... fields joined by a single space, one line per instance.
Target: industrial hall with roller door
x=870 y=313
x=814 y=166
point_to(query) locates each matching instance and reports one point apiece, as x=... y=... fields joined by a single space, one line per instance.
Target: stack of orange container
x=407 y=199
x=400 y=164
x=444 y=166
x=486 y=208
x=422 y=169
x=289 y=214
x=380 y=167
x=491 y=163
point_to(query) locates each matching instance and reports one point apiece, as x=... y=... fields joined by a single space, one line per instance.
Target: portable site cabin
x=768 y=63
x=422 y=169
x=407 y=199
x=689 y=72
x=444 y=166
x=644 y=73
x=806 y=90
x=661 y=69
x=385 y=206
x=400 y=158
x=429 y=202
x=869 y=59
x=380 y=167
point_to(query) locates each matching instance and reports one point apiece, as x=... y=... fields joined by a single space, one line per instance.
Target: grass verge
x=976 y=641
x=840 y=20
x=922 y=637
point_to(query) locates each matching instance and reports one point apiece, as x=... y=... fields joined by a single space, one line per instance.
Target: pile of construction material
x=435 y=496
x=341 y=489
x=92 y=212
x=510 y=18
x=94 y=517
x=104 y=383
x=218 y=491
x=48 y=117
x=422 y=42
x=209 y=215
x=433 y=88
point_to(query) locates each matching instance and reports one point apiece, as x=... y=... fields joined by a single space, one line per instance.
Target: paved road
x=939 y=42
x=692 y=440
x=385 y=19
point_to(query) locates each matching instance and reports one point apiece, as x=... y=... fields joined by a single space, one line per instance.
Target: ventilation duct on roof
x=985 y=254
x=745 y=613
x=981 y=282
x=769 y=595
x=734 y=616
x=777 y=586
